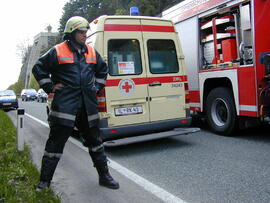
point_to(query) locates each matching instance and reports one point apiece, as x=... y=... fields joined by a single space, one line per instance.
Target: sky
x=21 y=20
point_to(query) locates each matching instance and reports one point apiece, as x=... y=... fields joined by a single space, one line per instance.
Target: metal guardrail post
x=20 y=136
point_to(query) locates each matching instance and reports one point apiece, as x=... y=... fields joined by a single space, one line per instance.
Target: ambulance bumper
x=140 y=129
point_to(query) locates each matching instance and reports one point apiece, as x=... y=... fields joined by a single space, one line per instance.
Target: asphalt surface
x=75 y=179
x=201 y=167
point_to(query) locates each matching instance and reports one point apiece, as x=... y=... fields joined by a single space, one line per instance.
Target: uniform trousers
x=58 y=137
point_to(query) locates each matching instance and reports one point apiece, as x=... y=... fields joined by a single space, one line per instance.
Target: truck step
x=148 y=137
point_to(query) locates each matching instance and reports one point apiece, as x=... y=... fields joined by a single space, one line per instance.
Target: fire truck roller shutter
x=221 y=111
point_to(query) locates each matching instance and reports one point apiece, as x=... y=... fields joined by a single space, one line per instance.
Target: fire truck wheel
x=221 y=112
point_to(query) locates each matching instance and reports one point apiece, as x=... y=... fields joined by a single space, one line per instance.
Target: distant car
x=29 y=94
x=41 y=96
x=8 y=100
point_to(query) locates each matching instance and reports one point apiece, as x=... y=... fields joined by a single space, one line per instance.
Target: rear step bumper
x=148 y=137
x=118 y=132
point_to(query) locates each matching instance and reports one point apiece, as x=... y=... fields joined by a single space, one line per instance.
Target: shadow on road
x=149 y=146
x=259 y=134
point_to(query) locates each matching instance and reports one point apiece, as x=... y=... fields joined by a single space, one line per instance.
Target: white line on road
x=39 y=121
x=147 y=185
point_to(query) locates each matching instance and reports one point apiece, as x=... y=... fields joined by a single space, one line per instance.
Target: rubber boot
x=100 y=162
x=42 y=185
x=48 y=166
x=105 y=178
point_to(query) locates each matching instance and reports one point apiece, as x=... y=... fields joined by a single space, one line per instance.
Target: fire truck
x=226 y=44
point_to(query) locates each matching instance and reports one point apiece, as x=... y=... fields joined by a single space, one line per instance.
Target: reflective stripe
x=248 y=108
x=76 y=24
x=93 y=117
x=101 y=99
x=193 y=104
x=92 y=80
x=90 y=59
x=96 y=148
x=101 y=81
x=45 y=80
x=64 y=54
x=65 y=58
x=51 y=155
x=63 y=115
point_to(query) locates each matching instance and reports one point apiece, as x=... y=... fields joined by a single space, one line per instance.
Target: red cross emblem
x=126 y=86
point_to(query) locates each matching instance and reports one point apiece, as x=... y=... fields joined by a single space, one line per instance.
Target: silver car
x=41 y=96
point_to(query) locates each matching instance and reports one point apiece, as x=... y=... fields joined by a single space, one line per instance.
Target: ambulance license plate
x=123 y=111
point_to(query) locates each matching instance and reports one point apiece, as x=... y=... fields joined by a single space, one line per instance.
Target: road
x=200 y=167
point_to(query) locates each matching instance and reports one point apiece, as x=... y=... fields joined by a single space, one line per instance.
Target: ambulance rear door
x=164 y=74
x=126 y=90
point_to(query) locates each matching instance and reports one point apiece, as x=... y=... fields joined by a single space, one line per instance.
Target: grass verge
x=18 y=175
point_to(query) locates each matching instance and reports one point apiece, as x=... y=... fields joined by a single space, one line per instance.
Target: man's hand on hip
x=57 y=87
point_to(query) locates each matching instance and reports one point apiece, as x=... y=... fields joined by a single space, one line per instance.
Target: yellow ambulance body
x=146 y=85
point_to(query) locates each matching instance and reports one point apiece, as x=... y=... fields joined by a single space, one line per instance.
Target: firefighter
x=75 y=73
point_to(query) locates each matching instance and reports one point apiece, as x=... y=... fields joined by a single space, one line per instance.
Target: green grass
x=18 y=175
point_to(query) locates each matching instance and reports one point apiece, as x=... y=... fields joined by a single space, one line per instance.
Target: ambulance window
x=124 y=57
x=162 y=56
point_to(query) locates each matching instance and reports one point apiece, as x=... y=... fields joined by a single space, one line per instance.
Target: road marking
x=147 y=185
x=39 y=121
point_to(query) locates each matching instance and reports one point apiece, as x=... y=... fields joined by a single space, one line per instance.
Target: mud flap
x=148 y=137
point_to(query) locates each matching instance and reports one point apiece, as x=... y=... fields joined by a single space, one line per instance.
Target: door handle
x=156 y=83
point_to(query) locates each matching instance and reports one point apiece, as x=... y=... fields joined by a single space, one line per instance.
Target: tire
x=221 y=112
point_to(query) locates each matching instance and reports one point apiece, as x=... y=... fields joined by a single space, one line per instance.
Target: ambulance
x=146 y=87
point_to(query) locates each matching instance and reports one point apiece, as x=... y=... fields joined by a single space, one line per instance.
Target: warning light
x=134 y=11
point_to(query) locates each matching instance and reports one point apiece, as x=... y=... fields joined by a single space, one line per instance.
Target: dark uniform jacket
x=82 y=74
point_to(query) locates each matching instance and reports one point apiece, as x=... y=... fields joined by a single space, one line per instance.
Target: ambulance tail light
x=50 y=96
x=113 y=130
x=101 y=97
x=186 y=93
x=184 y=121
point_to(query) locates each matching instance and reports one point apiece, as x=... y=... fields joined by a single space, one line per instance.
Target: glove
x=48 y=87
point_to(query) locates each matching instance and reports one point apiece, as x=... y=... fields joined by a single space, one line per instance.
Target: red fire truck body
x=226 y=44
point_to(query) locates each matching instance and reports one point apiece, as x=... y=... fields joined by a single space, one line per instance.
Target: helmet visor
x=83 y=29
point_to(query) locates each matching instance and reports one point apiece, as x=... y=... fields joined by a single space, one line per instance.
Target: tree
x=33 y=83
x=152 y=7
x=84 y=8
x=17 y=87
x=91 y=9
